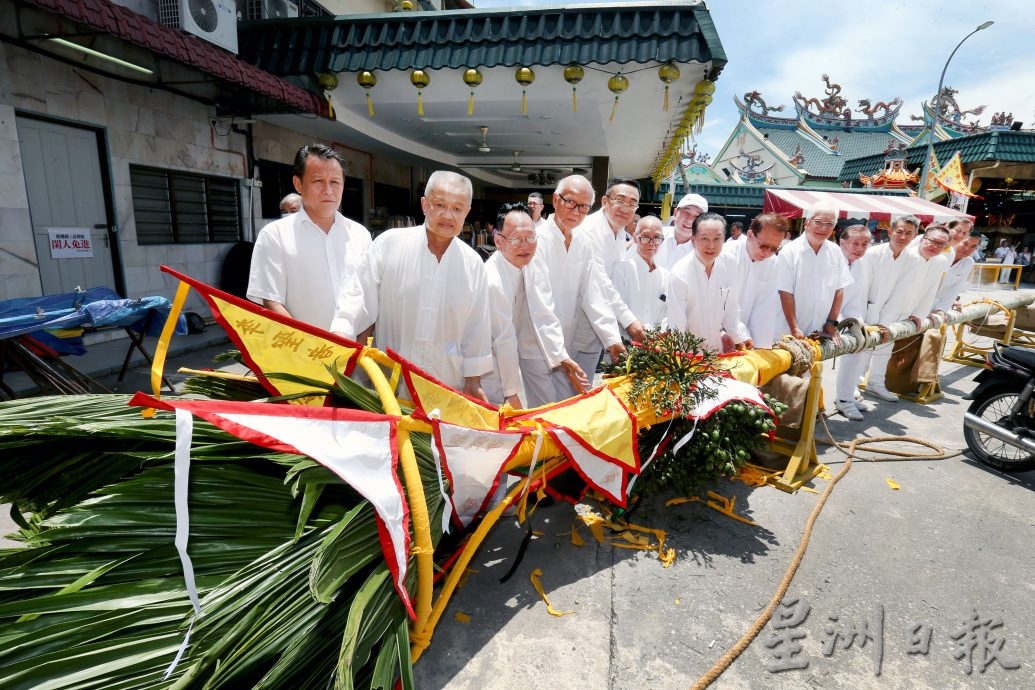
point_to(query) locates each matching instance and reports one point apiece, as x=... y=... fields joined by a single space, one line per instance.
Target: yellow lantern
x=367 y=80
x=703 y=97
x=524 y=76
x=573 y=74
x=668 y=73
x=420 y=79
x=472 y=78
x=616 y=85
x=328 y=82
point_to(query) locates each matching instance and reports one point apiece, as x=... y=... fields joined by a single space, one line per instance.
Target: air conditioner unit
x=213 y=20
x=271 y=9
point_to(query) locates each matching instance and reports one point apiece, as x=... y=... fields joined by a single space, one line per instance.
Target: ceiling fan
x=484 y=146
x=515 y=166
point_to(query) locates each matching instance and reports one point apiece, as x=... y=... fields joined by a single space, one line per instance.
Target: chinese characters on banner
x=70 y=243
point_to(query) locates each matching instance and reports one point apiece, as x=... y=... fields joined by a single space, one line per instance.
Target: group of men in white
x=528 y=326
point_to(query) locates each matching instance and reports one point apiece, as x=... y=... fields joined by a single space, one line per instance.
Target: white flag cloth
x=359 y=447
x=473 y=460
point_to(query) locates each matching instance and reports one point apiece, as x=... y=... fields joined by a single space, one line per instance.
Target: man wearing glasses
x=679 y=238
x=606 y=228
x=527 y=340
x=576 y=278
x=811 y=277
x=754 y=258
x=639 y=280
x=890 y=272
x=855 y=240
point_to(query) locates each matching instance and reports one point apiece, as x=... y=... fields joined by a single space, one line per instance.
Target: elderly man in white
x=527 y=340
x=811 y=277
x=643 y=284
x=421 y=291
x=679 y=238
x=576 y=278
x=956 y=275
x=855 y=240
x=606 y=228
x=302 y=261
x=890 y=271
x=703 y=289
x=755 y=260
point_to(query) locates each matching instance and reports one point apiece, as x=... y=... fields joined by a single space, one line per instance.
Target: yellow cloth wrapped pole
x=419 y=519
x=162 y=348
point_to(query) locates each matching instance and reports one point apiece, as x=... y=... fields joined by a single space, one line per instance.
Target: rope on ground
x=849 y=449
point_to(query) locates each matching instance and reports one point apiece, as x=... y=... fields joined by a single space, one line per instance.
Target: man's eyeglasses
x=644 y=239
x=941 y=244
x=572 y=204
x=620 y=203
x=823 y=223
x=517 y=241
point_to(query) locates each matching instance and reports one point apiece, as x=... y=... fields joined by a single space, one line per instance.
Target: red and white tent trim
x=792 y=203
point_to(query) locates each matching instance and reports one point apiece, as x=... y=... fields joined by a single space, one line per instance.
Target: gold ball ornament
x=419 y=78
x=668 y=73
x=366 y=79
x=524 y=76
x=618 y=84
x=328 y=81
x=472 y=78
x=573 y=74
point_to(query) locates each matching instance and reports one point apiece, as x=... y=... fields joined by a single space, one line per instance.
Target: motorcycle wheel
x=991 y=451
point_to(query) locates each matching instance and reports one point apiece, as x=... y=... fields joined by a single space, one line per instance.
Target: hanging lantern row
x=691 y=121
x=525 y=76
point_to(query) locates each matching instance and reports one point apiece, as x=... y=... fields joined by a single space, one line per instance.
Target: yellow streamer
x=330 y=107
x=524 y=103
x=725 y=506
x=462 y=617
x=158 y=364
x=666 y=98
x=613 y=109
x=420 y=104
x=470 y=104
x=576 y=538
x=370 y=105
x=894 y=485
x=574 y=102
x=534 y=577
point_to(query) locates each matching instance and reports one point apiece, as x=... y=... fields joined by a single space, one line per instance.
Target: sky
x=898 y=48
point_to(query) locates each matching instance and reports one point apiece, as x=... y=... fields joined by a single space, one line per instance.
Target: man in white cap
x=679 y=238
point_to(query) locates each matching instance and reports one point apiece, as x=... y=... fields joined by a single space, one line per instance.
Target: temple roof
x=819 y=161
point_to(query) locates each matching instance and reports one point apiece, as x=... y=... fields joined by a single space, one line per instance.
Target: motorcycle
x=999 y=426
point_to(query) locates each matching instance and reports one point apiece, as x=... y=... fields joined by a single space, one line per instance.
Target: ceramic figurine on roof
x=950 y=116
x=1001 y=121
x=833 y=111
x=798 y=159
x=753 y=99
x=870 y=111
x=894 y=175
x=752 y=172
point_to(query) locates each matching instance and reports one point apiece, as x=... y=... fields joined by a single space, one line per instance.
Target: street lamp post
x=938 y=108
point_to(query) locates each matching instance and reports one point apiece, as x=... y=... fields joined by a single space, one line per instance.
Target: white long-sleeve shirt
x=853 y=300
x=524 y=325
x=891 y=282
x=926 y=278
x=575 y=280
x=608 y=249
x=952 y=284
x=756 y=293
x=644 y=291
x=812 y=278
x=304 y=268
x=670 y=253
x=434 y=313
x=702 y=304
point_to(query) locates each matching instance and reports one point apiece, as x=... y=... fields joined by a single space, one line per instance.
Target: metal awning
x=519 y=147
x=793 y=204
x=232 y=84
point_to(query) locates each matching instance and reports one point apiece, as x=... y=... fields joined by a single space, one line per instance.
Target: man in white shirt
x=576 y=277
x=606 y=228
x=948 y=296
x=703 y=290
x=527 y=340
x=933 y=261
x=291 y=203
x=811 y=277
x=536 y=206
x=643 y=284
x=755 y=263
x=422 y=292
x=679 y=238
x=855 y=240
x=302 y=261
x=736 y=232
x=890 y=269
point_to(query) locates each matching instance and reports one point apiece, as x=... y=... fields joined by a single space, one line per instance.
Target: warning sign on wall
x=70 y=243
